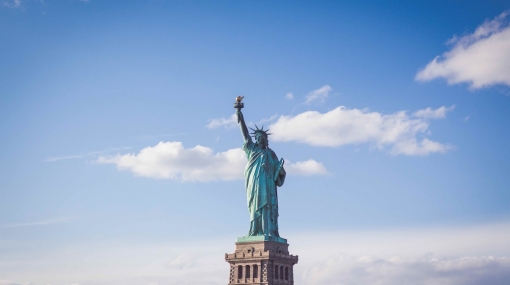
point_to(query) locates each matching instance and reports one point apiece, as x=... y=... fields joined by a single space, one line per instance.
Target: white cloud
x=289 y=96
x=170 y=160
x=343 y=126
x=480 y=59
x=430 y=113
x=318 y=95
x=306 y=168
x=222 y=122
x=413 y=147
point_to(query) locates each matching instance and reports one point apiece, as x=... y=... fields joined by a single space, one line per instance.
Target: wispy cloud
x=170 y=160
x=289 y=96
x=266 y=120
x=12 y=3
x=230 y=122
x=318 y=95
x=429 y=113
x=480 y=59
x=39 y=223
x=149 y=137
x=83 y=155
x=343 y=126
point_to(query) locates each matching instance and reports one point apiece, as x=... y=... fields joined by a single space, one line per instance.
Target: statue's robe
x=262 y=177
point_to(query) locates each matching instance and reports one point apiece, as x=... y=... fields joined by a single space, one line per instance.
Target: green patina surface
x=261 y=238
x=264 y=172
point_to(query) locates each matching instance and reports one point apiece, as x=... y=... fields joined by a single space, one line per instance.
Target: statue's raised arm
x=240 y=119
x=242 y=124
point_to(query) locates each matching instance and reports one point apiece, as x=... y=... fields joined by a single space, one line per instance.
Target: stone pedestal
x=261 y=262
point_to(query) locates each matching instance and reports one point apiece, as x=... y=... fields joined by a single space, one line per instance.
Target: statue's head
x=260 y=136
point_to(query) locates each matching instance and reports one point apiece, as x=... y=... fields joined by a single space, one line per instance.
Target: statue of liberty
x=263 y=173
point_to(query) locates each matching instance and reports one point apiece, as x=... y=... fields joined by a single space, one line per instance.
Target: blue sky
x=121 y=160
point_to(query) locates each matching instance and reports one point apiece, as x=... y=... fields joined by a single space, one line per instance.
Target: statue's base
x=261 y=262
x=261 y=238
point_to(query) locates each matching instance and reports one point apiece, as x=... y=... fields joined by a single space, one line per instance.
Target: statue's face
x=261 y=140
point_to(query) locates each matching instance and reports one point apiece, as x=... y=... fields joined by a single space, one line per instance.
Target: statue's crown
x=260 y=131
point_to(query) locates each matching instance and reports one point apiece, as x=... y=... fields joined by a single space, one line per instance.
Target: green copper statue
x=263 y=173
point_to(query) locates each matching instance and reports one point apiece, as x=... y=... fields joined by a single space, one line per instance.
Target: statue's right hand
x=239 y=116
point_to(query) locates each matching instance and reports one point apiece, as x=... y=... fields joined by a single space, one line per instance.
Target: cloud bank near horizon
x=187 y=269
x=478 y=254
x=480 y=59
x=425 y=256
x=170 y=160
x=346 y=270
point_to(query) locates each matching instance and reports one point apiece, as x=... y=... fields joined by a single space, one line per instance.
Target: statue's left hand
x=282 y=171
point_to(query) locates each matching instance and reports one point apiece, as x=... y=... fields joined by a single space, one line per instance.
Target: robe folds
x=262 y=177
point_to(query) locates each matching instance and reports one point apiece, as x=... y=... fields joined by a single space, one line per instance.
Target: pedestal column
x=261 y=262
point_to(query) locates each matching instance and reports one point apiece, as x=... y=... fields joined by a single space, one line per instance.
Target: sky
x=121 y=159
